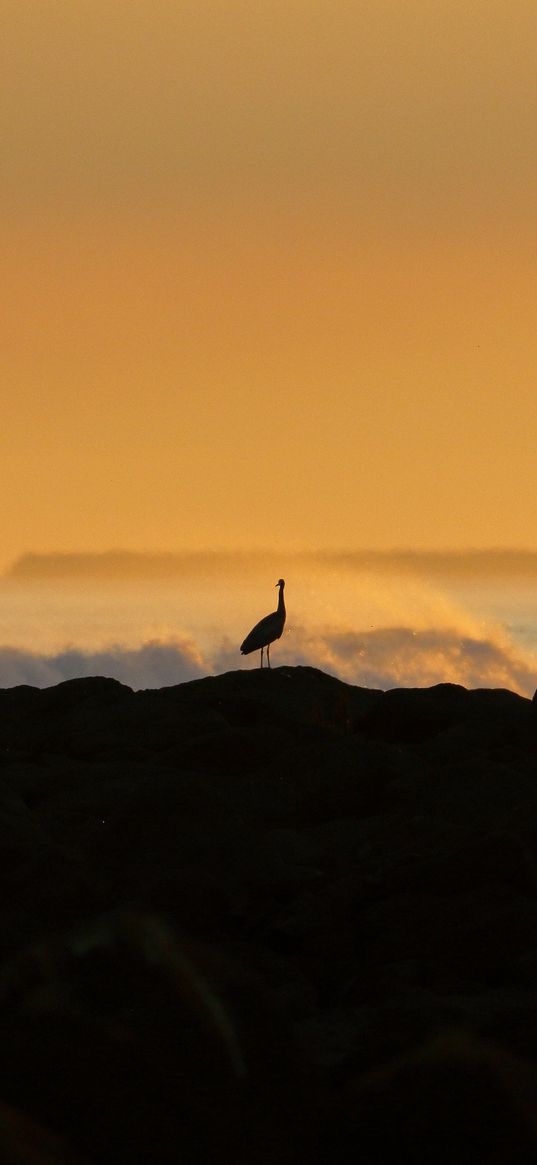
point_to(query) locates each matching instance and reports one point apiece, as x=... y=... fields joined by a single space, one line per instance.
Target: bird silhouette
x=267 y=630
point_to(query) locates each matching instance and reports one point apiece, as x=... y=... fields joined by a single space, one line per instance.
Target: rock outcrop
x=267 y=917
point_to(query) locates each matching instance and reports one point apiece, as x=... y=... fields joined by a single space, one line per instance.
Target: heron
x=267 y=630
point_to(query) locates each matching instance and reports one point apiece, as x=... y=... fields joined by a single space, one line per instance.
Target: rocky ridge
x=267 y=917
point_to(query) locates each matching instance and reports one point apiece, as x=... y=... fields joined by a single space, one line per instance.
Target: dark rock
x=234 y=910
x=455 y=1099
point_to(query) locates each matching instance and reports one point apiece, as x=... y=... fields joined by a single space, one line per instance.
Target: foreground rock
x=267 y=917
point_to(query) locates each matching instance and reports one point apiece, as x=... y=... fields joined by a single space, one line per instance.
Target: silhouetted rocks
x=267 y=917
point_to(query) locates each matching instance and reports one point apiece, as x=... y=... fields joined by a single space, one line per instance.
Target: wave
x=381 y=658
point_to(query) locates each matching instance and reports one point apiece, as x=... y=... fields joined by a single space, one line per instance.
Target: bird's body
x=267 y=630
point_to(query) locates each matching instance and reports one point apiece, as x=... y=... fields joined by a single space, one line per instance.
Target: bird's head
x=281 y=582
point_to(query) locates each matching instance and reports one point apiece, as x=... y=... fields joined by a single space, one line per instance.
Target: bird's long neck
x=281 y=604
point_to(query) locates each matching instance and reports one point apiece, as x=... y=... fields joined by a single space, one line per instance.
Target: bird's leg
x=261 y=657
x=268 y=653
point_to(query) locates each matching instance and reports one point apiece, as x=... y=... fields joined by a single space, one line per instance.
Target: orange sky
x=269 y=274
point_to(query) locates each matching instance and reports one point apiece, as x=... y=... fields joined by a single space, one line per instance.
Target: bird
x=267 y=630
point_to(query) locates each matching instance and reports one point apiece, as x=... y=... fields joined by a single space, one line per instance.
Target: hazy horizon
x=124 y=562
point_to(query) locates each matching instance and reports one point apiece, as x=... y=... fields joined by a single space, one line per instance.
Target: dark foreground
x=267 y=918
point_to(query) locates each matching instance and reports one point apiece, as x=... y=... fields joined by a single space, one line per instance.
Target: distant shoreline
x=125 y=565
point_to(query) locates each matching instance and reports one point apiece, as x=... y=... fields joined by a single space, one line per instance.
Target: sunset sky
x=269 y=274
